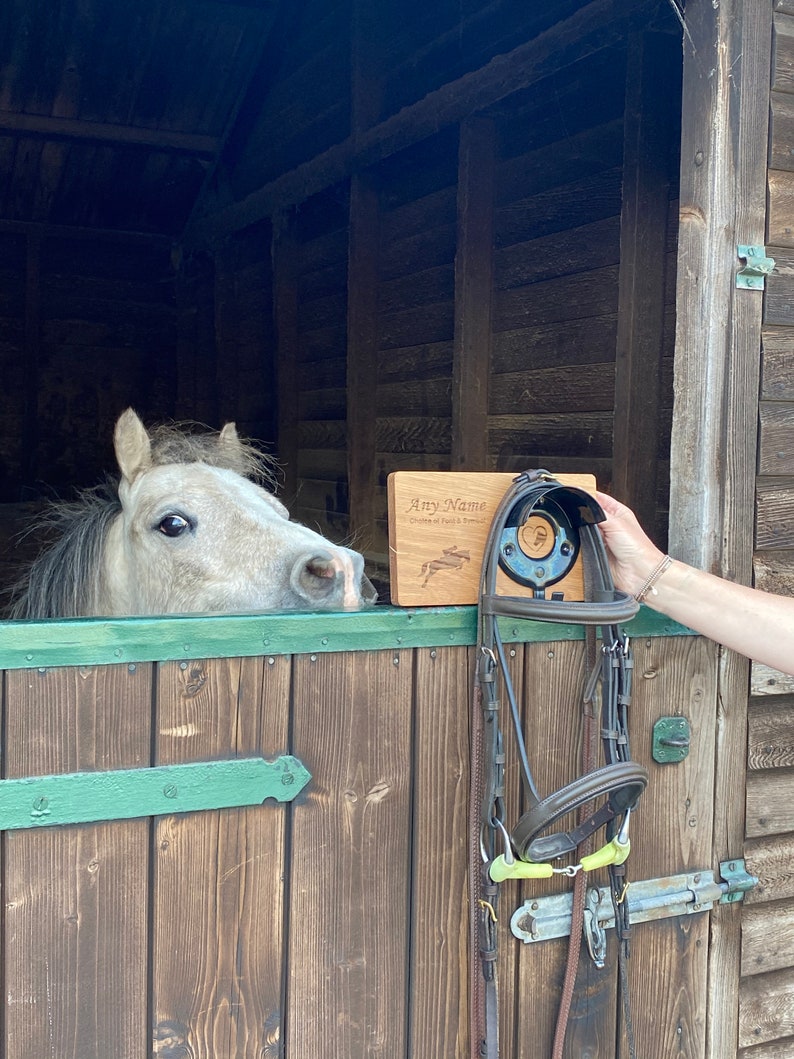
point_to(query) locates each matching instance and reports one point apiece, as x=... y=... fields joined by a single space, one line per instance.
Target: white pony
x=188 y=528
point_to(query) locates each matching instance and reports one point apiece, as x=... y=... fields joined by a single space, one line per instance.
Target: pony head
x=193 y=528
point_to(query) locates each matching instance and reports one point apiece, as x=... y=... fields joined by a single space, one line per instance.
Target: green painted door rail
x=108 y=641
x=122 y=794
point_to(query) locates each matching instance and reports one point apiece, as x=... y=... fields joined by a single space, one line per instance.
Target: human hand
x=632 y=554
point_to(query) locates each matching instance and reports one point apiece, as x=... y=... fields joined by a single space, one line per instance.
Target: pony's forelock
x=180 y=443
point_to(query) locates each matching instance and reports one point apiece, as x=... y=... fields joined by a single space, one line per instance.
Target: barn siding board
x=438 y=921
x=76 y=898
x=218 y=902
x=350 y=974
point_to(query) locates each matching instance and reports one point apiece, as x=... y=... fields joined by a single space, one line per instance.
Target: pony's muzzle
x=330 y=580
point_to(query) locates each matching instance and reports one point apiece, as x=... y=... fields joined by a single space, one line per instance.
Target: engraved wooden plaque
x=438 y=527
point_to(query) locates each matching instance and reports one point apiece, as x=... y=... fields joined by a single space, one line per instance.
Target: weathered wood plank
x=781 y=131
x=348 y=934
x=218 y=876
x=779 y=300
x=767 y=938
x=564 y=389
x=590 y=198
x=439 y=925
x=776 y=437
x=770 y=741
x=75 y=944
x=777 y=373
x=564 y=161
x=582 y=434
x=414 y=398
x=591 y=340
x=773 y=571
x=780 y=222
x=473 y=294
x=414 y=327
x=775 y=514
x=581 y=249
x=766 y=1008
x=674 y=834
x=417 y=434
x=577 y=296
x=773 y=1050
x=767 y=681
x=769 y=796
x=772 y=861
x=783 y=48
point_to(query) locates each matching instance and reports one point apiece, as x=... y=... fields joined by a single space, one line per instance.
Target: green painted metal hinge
x=758 y=267
x=122 y=794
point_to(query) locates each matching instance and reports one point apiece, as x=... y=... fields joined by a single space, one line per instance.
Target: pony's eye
x=173 y=525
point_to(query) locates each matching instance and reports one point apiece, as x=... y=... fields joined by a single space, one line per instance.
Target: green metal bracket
x=739 y=881
x=671 y=739
x=758 y=267
x=88 y=797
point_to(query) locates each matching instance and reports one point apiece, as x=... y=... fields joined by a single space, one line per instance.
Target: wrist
x=648 y=586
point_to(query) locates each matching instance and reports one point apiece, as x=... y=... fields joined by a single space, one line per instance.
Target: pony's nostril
x=322 y=567
x=314 y=576
x=332 y=579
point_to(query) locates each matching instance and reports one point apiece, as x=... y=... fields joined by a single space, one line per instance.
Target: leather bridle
x=602 y=797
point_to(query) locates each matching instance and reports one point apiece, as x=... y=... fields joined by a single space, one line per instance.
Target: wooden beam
x=362 y=353
x=30 y=431
x=41 y=126
x=727 y=50
x=649 y=123
x=65 y=231
x=285 y=317
x=471 y=358
x=598 y=25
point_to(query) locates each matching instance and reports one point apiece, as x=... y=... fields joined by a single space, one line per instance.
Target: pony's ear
x=229 y=440
x=133 y=446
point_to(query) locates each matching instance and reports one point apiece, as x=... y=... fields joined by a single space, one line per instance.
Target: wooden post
x=362 y=349
x=226 y=344
x=285 y=316
x=643 y=233
x=362 y=284
x=30 y=432
x=727 y=51
x=473 y=295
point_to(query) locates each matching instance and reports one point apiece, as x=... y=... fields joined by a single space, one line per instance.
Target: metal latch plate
x=677 y=895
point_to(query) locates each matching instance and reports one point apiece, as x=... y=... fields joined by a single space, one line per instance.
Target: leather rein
x=602 y=797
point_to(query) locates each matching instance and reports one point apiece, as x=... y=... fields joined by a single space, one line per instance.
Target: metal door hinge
x=758 y=267
x=542 y=918
x=123 y=794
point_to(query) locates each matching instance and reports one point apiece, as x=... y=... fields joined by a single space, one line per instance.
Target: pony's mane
x=64 y=580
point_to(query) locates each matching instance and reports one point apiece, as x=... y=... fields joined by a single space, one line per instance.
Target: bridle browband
x=612 y=789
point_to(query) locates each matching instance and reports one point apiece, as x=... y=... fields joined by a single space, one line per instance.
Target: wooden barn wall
x=766 y=1026
x=340 y=917
x=88 y=328
x=465 y=302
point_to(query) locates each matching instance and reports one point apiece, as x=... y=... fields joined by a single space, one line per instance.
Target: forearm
x=745 y=619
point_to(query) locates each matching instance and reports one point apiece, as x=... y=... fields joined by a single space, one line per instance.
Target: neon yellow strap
x=614 y=852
